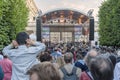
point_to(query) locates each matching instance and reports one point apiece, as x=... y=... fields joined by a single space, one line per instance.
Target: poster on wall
x=78 y=33
x=45 y=33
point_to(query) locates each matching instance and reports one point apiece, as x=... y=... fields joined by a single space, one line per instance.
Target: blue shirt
x=1 y=73
x=117 y=71
x=55 y=55
x=23 y=58
x=81 y=64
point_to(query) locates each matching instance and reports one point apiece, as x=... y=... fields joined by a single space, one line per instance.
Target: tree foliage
x=13 y=19
x=109 y=23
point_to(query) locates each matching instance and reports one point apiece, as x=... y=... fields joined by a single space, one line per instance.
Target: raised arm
x=8 y=49
x=35 y=47
x=40 y=46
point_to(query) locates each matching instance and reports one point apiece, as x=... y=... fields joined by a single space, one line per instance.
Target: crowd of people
x=28 y=59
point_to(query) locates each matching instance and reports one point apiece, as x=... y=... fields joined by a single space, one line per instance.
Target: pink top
x=6 y=65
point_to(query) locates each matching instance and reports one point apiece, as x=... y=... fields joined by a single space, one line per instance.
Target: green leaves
x=13 y=19
x=109 y=15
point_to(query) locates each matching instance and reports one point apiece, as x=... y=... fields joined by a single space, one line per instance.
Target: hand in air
x=14 y=43
x=30 y=42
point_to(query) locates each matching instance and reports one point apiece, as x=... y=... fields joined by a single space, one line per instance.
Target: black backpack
x=69 y=76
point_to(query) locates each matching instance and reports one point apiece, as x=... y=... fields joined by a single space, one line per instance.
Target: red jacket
x=84 y=76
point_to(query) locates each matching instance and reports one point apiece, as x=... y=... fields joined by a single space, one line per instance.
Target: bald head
x=90 y=55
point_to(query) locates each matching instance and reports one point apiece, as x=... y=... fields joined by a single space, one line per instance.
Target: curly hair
x=45 y=57
x=45 y=71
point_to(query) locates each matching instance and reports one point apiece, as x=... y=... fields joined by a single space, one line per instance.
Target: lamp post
x=39 y=26
x=90 y=12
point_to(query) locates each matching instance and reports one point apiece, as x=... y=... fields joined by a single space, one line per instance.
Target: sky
x=81 y=5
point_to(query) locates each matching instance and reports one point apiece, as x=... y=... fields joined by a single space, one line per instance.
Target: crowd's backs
x=91 y=63
x=96 y=63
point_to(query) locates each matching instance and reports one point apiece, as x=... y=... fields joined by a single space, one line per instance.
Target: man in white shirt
x=22 y=52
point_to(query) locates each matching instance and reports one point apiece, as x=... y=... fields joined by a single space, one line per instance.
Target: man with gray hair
x=68 y=71
x=86 y=75
x=90 y=55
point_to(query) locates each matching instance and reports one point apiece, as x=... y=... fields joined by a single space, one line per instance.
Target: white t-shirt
x=1 y=57
x=33 y=36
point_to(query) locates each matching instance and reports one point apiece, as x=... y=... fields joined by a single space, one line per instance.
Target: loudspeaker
x=91 y=32
x=39 y=28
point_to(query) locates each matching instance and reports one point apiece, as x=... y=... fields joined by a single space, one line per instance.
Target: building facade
x=33 y=12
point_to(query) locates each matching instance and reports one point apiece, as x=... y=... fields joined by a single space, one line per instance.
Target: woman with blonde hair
x=60 y=62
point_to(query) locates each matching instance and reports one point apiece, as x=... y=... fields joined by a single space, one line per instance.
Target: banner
x=77 y=33
x=45 y=33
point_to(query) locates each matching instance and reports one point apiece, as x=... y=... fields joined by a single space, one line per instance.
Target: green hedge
x=109 y=23
x=13 y=19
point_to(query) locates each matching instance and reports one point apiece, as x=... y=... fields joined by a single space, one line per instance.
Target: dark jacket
x=1 y=74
